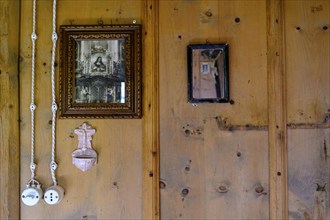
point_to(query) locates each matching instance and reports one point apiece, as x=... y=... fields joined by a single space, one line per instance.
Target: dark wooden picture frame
x=100 y=71
x=208 y=73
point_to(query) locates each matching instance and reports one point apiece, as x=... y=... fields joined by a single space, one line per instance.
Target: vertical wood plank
x=277 y=110
x=9 y=109
x=309 y=174
x=307 y=68
x=307 y=37
x=150 y=133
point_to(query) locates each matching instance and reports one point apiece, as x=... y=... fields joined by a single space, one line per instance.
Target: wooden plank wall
x=214 y=160
x=308 y=100
x=214 y=157
x=112 y=189
x=9 y=109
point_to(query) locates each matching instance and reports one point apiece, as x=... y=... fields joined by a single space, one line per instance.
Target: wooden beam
x=150 y=111
x=277 y=110
x=9 y=110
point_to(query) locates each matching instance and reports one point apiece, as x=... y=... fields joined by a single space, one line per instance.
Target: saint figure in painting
x=99 y=65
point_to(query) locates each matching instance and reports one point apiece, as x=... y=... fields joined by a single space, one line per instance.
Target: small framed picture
x=208 y=68
x=100 y=74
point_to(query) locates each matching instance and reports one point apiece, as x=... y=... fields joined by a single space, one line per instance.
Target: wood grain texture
x=277 y=110
x=191 y=143
x=236 y=173
x=9 y=110
x=188 y=22
x=113 y=188
x=150 y=121
x=309 y=173
x=308 y=60
x=307 y=42
x=208 y=170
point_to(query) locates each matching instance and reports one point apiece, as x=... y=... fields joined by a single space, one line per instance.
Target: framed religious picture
x=100 y=71
x=208 y=68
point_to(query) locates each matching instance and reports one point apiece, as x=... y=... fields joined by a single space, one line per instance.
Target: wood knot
x=259 y=189
x=208 y=13
x=162 y=184
x=115 y=185
x=222 y=189
x=316 y=8
x=189 y=131
x=320 y=188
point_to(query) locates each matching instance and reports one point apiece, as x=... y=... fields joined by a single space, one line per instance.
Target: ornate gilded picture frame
x=100 y=71
x=208 y=73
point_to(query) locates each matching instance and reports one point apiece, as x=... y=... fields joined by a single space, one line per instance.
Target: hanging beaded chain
x=53 y=164
x=33 y=106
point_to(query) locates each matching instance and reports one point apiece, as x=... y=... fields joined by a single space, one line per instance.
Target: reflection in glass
x=207 y=80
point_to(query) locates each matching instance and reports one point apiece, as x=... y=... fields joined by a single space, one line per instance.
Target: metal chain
x=53 y=164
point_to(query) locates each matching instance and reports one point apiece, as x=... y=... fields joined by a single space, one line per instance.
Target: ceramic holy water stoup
x=84 y=157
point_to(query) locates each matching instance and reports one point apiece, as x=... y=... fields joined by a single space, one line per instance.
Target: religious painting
x=100 y=71
x=208 y=68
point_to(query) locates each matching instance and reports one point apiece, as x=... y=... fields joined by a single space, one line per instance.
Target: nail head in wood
x=184 y=192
